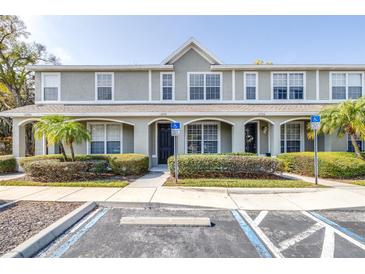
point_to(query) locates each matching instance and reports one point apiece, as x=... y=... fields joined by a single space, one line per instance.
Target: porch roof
x=162 y=109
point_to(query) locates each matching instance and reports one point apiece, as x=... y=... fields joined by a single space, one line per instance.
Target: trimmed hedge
x=7 y=164
x=225 y=166
x=57 y=171
x=120 y=164
x=330 y=164
x=129 y=164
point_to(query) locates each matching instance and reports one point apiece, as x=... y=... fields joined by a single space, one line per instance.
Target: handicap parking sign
x=175 y=125
x=315 y=122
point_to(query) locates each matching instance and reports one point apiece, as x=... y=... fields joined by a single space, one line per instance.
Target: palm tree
x=70 y=132
x=59 y=129
x=345 y=118
x=43 y=128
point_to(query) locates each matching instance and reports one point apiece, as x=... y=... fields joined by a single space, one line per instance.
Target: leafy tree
x=262 y=62
x=60 y=129
x=345 y=118
x=17 y=83
x=44 y=128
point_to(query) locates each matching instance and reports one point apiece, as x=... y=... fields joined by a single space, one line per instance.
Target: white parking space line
x=260 y=217
x=299 y=237
x=328 y=248
x=339 y=232
x=273 y=249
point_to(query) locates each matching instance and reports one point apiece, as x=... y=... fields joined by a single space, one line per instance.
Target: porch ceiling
x=165 y=110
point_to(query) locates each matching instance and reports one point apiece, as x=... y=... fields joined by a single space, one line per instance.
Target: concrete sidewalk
x=141 y=191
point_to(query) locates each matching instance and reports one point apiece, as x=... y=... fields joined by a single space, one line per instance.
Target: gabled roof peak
x=191 y=43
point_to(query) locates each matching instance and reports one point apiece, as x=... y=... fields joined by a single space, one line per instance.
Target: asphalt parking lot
x=234 y=233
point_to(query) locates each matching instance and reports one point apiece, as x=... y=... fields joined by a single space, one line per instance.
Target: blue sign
x=175 y=125
x=315 y=119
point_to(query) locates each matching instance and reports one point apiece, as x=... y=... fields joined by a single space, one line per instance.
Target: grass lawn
x=355 y=182
x=220 y=182
x=71 y=184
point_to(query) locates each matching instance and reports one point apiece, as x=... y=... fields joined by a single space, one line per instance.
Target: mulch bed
x=25 y=219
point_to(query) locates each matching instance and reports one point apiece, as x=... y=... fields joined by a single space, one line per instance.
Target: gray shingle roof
x=165 y=109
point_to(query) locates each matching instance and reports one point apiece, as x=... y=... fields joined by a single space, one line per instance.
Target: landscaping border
x=39 y=241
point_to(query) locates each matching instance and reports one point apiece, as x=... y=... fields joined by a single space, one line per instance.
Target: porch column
x=18 y=138
x=181 y=140
x=238 y=137
x=275 y=142
x=141 y=137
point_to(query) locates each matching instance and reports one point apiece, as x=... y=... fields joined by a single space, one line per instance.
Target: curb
x=31 y=246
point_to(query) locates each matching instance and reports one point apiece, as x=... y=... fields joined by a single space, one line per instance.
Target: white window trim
x=205 y=86
x=88 y=143
x=173 y=86
x=96 y=86
x=347 y=86
x=59 y=86
x=288 y=87
x=202 y=124
x=244 y=85
x=302 y=140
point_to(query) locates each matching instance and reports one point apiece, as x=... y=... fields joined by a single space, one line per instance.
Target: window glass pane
x=338 y=92
x=355 y=92
x=213 y=87
x=296 y=93
x=250 y=80
x=210 y=138
x=250 y=93
x=167 y=80
x=350 y=147
x=113 y=139
x=280 y=86
x=296 y=79
x=167 y=93
x=113 y=147
x=97 y=147
x=50 y=94
x=194 y=138
x=104 y=93
x=339 y=79
x=354 y=79
x=197 y=86
x=51 y=81
x=280 y=92
x=293 y=138
x=104 y=80
x=97 y=133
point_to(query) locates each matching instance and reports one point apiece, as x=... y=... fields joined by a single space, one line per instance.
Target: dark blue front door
x=165 y=143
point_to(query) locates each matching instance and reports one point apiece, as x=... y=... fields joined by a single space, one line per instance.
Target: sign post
x=315 y=124
x=175 y=131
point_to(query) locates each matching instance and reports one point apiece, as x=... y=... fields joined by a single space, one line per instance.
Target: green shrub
x=7 y=164
x=330 y=164
x=55 y=170
x=228 y=166
x=129 y=164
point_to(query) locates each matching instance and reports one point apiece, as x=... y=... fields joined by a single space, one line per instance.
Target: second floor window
x=51 y=86
x=250 y=86
x=204 y=86
x=167 y=82
x=104 y=86
x=346 y=85
x=288 y=86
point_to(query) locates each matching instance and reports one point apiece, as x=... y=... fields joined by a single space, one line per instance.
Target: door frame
x=156 y=136
x=257 y=135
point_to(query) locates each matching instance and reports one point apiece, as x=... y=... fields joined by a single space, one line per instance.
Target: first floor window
x=291 y=137
x=104 y=86
x=350 y=147
x=51 y=86
x=167 y=80
x=105 y=139
x=202 y=138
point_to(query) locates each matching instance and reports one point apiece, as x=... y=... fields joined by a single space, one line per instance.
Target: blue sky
x=233 y=39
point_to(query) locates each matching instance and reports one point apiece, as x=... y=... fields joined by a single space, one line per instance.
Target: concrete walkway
x=149 y=189
x=11 y=176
